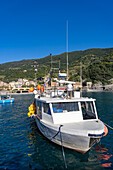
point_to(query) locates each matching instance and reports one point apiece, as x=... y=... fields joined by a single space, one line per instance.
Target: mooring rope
x=62 y=147
x=109 y=126
x=56 y=133
x=63 y=154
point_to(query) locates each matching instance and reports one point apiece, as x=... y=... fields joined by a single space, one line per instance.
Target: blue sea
x=23 y=147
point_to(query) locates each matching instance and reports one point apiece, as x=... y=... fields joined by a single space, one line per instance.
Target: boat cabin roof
x=58 y=99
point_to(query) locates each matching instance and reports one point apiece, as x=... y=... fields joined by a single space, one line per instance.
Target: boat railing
x=56 y=93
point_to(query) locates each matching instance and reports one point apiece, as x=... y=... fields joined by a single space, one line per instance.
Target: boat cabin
x=60 y=110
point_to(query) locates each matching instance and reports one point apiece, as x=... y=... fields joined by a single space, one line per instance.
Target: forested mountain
x=97 y=65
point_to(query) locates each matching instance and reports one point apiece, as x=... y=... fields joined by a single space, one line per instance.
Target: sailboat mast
x=67 y=49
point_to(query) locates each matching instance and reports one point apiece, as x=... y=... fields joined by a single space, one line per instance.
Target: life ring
x=105 y=130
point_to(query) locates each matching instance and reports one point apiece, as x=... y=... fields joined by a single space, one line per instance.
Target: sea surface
x=23 y=147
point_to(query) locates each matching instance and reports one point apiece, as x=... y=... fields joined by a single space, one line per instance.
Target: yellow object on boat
x=32 y=110
x=29 y=114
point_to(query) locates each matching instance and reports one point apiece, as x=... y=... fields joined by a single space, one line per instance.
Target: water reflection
x=103 y=155
x=47 y=155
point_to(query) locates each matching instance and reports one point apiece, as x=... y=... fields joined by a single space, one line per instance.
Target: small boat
x=68 y=120
x=6 y=99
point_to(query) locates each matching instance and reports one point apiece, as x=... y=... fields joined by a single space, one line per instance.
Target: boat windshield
x=88 y=110
x=65 y=107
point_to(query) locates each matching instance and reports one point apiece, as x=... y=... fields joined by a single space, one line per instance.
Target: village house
x=3 y=85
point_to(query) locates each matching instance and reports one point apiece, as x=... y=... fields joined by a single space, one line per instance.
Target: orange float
x=105 y=130
x=31 y=89
x=39 y=87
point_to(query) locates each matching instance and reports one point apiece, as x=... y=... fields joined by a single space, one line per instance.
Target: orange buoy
x=39 y=87
x=31 y=89
x=105 y=130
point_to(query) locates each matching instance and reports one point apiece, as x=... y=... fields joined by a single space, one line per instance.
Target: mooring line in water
x=62 y=147
x=109 y=126
x=61 y=144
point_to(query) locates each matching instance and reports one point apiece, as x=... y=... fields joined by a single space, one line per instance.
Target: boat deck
x=82 y=128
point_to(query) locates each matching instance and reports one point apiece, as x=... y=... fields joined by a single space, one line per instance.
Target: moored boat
x=75 y=118
x=6 y=99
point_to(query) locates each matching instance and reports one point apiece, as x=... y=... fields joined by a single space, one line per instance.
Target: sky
x=32 y=29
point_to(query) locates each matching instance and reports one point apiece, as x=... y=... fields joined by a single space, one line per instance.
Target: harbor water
x=23 y=147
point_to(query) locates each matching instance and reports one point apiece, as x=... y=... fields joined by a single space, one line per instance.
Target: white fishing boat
x=69 y=121
x=66 y=118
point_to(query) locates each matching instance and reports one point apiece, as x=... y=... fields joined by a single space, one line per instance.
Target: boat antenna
x=81 y=77
x=59 y=64
x=51 y=61
x=67 y=47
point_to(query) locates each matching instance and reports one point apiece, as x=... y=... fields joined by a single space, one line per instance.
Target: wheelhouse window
x=39 y=108
x=39 y=105
x=46 y=108
x=65 y=107
x=88 y=110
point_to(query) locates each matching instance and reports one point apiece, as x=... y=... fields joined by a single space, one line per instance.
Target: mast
x=59 y=64
x=67 y=48
x=51 y=70
x=81 y=76
x=51 y=61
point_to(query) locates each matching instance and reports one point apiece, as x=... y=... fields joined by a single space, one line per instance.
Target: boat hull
x=7 y=101
x=76 y=142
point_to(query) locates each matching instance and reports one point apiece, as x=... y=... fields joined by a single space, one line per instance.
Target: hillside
x=97 y=65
